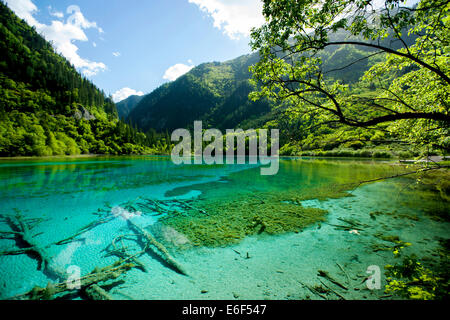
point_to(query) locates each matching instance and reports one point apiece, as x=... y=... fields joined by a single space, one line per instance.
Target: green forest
x=47 y=108
x=346 y=89
x=350 y=75
x=296 y=80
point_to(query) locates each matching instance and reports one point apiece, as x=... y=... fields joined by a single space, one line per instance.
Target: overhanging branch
x=391 y=51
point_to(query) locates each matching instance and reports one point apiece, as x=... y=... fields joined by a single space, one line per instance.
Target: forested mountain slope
x=216 y=93
x=127 y=105
x=47 y=107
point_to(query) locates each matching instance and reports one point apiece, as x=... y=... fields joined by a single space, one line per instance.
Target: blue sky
x=129 y=46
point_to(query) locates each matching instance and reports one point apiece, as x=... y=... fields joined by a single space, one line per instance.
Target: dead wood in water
x=335 y=292
x=87 y=284
x=122 y=253
x=95 y=292
x=156 y=247
x=187 y=205
x=325 y=275
x=21 y=230
x=343 y=270
x=314 y=291
x=86 y=228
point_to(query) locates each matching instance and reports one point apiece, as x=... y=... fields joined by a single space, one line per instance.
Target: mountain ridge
x=197 y=95
x=217 y=94
x=125 y=106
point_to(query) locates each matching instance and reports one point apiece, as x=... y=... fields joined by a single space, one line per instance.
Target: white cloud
x=24 y=9
x=94 y=44
x=55 y=13
x=124 y=93
x=62 y=34
x=176 y=71
x=116 y=54
x=77 y=19
x=235 y=17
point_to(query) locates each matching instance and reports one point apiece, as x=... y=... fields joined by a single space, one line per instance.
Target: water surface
x=68 y=194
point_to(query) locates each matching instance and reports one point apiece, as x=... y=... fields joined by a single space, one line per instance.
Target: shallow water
x=69 y=194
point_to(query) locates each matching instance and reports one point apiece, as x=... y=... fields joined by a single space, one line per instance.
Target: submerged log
x=184 y=203
x=95 y=292
x=343 y=270
x=334 y=291
x=85 y=229
x=123 y=254
x=325 y=275
x=157 y=207
x=98 y=275
x=21 y=229
x=156 y=247
x=314 y=291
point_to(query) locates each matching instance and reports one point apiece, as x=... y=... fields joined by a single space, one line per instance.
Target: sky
x=128 y=47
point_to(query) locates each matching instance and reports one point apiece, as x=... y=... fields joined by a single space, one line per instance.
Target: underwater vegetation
x=419 y=280
x=224 y=221
x=233 y=215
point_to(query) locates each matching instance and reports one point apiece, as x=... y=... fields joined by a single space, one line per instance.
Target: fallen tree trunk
x=184 y=203
x=98 y=275
x=314 y=291
x=87 y=228
x=156 y=247
x=335 y=292
x=22 y=232
x=95 y=292
x=123 y=254
x=325 y=275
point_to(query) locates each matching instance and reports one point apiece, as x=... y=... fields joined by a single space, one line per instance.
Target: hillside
x=46 y=107
x=216 y=93
x=127 y=105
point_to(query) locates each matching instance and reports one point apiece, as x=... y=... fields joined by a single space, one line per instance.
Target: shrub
x=356 y=145
x=405 y=155
x=381 y=154
x=363 y=154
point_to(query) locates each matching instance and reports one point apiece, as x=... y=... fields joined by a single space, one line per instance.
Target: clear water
x=69 y=193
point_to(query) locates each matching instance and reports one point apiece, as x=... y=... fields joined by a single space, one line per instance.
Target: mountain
x=215 y=92
x=46 y=107
x=127 y=105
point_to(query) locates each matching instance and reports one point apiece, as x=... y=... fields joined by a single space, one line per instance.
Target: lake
x=236 y=234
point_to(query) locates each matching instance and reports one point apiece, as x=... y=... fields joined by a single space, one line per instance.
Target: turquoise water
x=68 y=194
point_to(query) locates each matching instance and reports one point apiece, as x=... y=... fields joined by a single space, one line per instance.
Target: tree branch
x=399 y=116
x=389 y=50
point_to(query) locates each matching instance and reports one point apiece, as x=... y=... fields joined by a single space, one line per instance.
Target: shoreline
x=75 y=156
x=397 y=161
x=167 y=155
